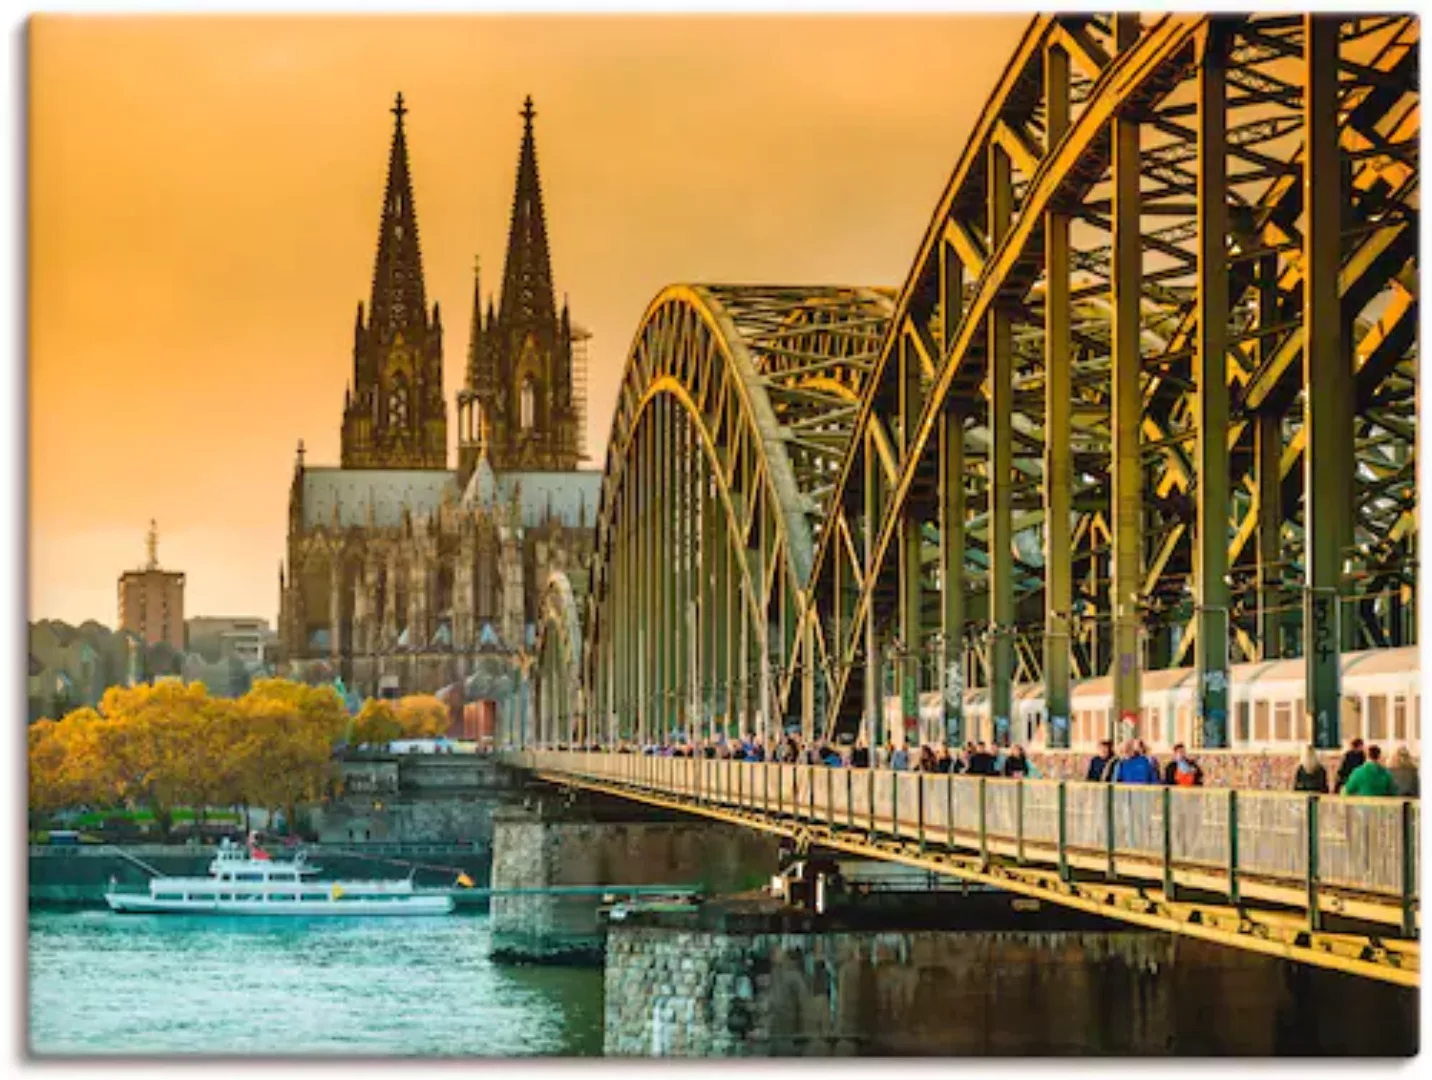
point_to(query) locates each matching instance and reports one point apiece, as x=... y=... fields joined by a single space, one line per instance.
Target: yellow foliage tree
x=171 y=745
x=377 y=723
x=421 y=716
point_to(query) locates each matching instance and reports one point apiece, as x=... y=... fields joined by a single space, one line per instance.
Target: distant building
x=217 y=638
x=151 y=601
x=70 y=667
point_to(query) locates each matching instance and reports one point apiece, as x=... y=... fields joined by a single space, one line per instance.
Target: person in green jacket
x=1371 y=777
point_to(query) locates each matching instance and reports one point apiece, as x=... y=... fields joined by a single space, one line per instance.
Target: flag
x=337 y=891
x=257 y=853
x=464 y=881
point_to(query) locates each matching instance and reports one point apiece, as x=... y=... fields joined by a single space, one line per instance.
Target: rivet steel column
x=1326 y=378
x=1127 y=274
x=1211 y=563
x=1001 y=444
x=911 y=630
x=874 y=692
x=952 y=574
x=1058 y=436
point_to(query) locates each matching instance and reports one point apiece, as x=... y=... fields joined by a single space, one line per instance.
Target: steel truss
x=1147 y=395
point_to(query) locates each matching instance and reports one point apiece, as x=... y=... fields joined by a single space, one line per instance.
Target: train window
x=1376 y=716
x=1351 y=717
x=1283 y=721
x=1181 y=731
x=1417 y=717
x=1260 y=721
x=1399 y=718
x=1301 y=733
x=1242 y=734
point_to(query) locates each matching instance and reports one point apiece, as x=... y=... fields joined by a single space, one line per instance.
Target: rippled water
x=135 y=984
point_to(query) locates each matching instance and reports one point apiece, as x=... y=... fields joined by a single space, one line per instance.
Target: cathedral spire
x=527 y=277
x=474 y=340
x=399 y=299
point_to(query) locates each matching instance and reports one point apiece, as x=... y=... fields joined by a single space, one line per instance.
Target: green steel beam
x=1211 y=564
x=1327 y=379
x=1058 y=406
x=1001 y=430
x=1126 y=274
x=952 y=574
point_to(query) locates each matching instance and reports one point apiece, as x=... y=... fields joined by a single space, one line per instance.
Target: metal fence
x=1365 y=846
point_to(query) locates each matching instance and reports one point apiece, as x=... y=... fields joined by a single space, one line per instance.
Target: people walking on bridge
x=1182 y=771
x=1135 y=766
x=1101 y=765
x=1016 y=765
x=899 y=758
x=981 y=761
x=860 y=756
x=1404 y=773
x=1311 y=775
x=1371 y=778
x=1350 y=763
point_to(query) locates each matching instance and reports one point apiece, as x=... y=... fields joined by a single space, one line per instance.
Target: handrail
x=1349 y=855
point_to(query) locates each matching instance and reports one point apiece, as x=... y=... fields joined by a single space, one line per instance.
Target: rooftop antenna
x=151 y=544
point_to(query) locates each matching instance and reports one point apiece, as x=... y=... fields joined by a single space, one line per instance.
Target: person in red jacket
x=1183 y=771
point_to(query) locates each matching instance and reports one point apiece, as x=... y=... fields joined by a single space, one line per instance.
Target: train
x=1381 y=702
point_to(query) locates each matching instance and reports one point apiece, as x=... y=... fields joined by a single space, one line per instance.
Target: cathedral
x=404 y=575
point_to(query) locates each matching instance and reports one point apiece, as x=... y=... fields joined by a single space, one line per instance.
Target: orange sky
x=204 y=203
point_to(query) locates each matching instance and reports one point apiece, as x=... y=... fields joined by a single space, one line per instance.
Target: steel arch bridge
x=1146 y=397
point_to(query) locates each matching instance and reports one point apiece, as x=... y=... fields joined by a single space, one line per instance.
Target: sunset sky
x=204 y=204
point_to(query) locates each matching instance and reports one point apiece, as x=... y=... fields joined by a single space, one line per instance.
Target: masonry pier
x=1002 y=976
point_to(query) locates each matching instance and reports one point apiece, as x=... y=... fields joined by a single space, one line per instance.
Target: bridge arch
x=732 y=418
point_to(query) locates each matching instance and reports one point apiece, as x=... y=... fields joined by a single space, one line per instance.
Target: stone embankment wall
x=417 y=799
x=540 y=848
x=698 y=993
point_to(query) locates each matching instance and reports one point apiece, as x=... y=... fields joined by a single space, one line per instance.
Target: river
x=164 y=985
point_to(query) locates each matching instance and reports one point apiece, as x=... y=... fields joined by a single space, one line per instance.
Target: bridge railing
x=1288 y=847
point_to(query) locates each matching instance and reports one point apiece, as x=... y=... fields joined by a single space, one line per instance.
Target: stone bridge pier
x=557 y=841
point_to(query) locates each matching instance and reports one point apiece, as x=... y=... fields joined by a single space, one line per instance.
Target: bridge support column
x=1211 y=564
x=1127 y=282
x=874 y=688
x=1000 y=465
x=1058 y=434
x=952 y=575
x=1327 y=383
x=598 y=844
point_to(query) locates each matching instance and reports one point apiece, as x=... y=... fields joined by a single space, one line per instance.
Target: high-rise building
x=151 y=600
x=403 y=575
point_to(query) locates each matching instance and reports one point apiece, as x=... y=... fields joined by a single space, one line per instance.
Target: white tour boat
x=248 y=882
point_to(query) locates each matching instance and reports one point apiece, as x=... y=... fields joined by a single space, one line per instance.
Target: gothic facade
x=403 y=575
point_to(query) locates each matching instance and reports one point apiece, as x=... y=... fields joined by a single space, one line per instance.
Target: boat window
x=282 y=896
x=1376 y=716
x=1351 y=717
x=227 y=896
x=168 y=896
x=1283 y=721
x=250 y=877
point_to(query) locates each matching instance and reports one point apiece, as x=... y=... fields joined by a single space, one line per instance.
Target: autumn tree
x=377 y=723
x=421 y=716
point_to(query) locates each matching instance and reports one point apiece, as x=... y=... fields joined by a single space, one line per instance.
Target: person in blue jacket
x=1135 y=766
